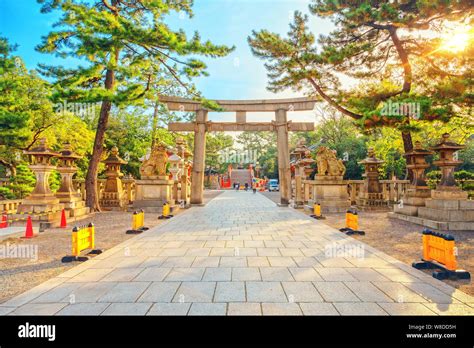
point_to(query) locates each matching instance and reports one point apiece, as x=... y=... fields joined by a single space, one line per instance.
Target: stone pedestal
x=151 y=194
x=413 y=199
x=331 y=192
x=66 y=194
x=113 y=196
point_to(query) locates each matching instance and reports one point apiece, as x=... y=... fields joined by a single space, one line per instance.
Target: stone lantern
x=113 y=195
x=67 y=195
x=371 y=197
x=448 y=208
x=302 y=159
x=175 y=169
x=186 y=166
x=417 y=192
x=447 y=186
x=42 y=199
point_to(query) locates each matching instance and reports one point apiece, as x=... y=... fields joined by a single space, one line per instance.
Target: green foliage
x=25 y=109
x=128 y=42
x=23 y=183
x=391 y=49
x=215 y=144
x=6 y=193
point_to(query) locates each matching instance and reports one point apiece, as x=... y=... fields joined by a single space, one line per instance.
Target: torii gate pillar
x=284 y=171
x=199 y=159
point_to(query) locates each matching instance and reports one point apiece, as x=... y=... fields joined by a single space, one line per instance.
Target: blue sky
x=237 y=76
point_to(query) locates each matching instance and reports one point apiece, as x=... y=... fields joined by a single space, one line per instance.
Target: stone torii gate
x=280 y=125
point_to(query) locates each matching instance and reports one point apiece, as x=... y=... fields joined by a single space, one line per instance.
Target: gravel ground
x=401 y=239
x=18 y=275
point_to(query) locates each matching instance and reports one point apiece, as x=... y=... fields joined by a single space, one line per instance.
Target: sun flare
x=457 y=40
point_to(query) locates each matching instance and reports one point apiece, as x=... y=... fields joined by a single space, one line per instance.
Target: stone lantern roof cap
x=174 y=158
x=371 y=159
x=114 y=157
x=67 y=152
x=445 y=144
x=418 y=150
x=41 y=149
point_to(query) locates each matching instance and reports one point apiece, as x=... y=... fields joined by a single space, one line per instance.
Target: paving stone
x=159 y=292
x=244 y=308
x=398 y=292
x=58 y=293
x=281 y=309
x=430 y=293
x=91 y=275
x=397 y=275
x=268 y=252
x=260 y=261
x=265 y=292
x=395 y=308
x=206 y=262
x=222 y=252
x=366 y=274
x=276 y=261
x=233 y=262
x=306 y=261
x=83 y=309
x=291 y=252
x=450 y=308
x=178 y=261
x=353 y=308
x=89 y=292
x=195 y=292
x=335 y=274
x=127 y=309
x=301 y=292
x=124 y=292
x=208 y=309
x=335 y=292
x=122 y=275
x=304 y=274
x=246 y=274
x=367 y=292
x=217 y=274
x=185 y=274
x=152 y=274
x=230 y=292
x=315 y=308
x=276 y=274
x=39 y=309
x=169 y=309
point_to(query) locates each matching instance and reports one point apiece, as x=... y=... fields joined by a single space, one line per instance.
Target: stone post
x=197 y=179
x=284 y=172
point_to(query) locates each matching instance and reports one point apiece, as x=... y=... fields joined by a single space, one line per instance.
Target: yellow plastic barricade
x=352 y=223
x=166 y=212
x=83 y=238
x=317 y=212
x=439 y=251
x=138 y=222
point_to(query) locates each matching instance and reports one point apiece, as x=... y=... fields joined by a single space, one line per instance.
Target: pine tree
x=383 y=44
x=125 y=45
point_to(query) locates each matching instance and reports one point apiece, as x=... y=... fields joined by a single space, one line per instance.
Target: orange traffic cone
x=29 y=228
x=4 y=223
x=63 y=219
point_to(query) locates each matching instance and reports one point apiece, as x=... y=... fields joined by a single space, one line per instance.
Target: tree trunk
x=154 y=125
x=407 y=146
x=92 y=196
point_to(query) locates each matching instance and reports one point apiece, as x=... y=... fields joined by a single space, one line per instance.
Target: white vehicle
x=273 y=185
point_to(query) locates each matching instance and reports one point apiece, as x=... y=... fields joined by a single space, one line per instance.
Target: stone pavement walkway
x=241 y=255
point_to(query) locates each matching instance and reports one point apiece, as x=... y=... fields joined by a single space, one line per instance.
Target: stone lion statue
x=328 y=163
x=155 y=165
